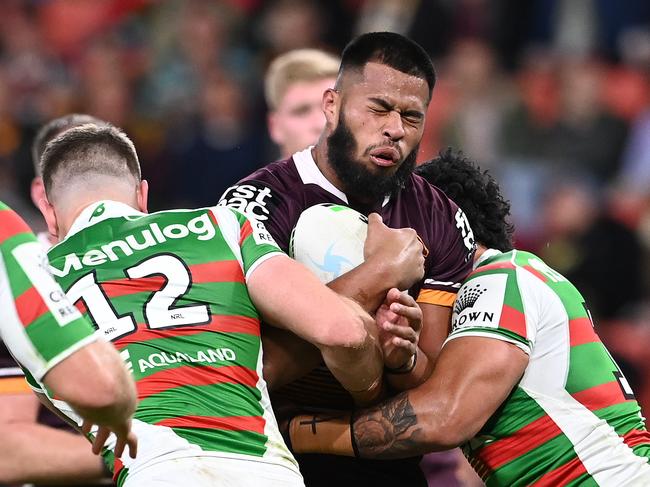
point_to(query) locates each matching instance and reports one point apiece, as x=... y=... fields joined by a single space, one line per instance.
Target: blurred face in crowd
x=298 y=120
x=375 y=122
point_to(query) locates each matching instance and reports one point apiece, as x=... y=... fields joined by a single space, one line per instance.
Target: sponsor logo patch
x=251 y=198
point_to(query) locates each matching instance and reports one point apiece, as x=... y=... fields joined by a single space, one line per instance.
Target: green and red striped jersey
x=572 y=419
x=169 y=290
x=39 y=326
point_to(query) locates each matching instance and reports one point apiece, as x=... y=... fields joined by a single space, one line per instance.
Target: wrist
x=406 y=368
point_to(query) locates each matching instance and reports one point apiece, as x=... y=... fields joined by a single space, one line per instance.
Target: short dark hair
x=99 y=149
x=391 y=49
x=477 y=194
x=53 y=128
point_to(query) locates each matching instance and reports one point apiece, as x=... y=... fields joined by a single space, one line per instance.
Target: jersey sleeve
x=452 y=259
x=264 y=202
x=247 y=238
x=39 y=325
x=491 y=305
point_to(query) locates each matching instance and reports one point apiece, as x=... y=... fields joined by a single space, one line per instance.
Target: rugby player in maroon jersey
x=364 y=159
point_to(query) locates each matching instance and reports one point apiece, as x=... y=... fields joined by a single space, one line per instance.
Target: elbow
x=349 y=333
x=445 y=432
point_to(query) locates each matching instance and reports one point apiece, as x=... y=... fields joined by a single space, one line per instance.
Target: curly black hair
x=476 y=192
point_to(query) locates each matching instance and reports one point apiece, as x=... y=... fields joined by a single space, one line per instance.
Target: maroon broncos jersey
x=277 y=194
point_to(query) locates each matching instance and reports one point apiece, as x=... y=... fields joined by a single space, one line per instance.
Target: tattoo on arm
x=387 y=431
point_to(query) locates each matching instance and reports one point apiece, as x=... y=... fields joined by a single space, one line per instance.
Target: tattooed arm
x=473 y=376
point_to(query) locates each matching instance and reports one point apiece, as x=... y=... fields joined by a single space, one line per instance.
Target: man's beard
x=358 y=181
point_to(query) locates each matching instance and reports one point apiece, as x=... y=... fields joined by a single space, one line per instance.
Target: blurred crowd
x=552 y=96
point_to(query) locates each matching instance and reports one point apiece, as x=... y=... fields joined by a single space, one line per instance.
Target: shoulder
x=11 y=224
x=265 y=189
x=277 y=175
x=429 y=195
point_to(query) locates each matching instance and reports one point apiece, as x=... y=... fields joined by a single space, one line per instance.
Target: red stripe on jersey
x=11 y=224
x=30 y=306
x=562 y=475
x=227 y=423
x=194 y=375
x=81 y=306
x=581 y=331
x=245 y=232
x=636 y=437
x=536 y=273
x=601 y=396
x=213 y=218
x=126 y=286
x=492 y=267
x=513 y=320
x=531 y=436
x=218 y=271
x=117 y=468
x=218 y=323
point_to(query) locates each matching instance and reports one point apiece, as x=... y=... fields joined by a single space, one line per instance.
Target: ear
x=37 y=190
x=47 y=210
x=142 y=195
x=274 y=130
x=331 y=105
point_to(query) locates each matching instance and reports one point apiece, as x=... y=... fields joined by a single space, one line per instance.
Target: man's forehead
x=382 y=81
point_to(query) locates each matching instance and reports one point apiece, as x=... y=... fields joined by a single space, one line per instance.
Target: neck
x=70 y=211
x=321 y=158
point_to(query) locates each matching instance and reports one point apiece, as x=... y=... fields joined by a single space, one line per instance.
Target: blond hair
x=299 y=65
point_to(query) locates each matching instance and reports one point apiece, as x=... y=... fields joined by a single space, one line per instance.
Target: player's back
x=572 y=419
x=169 y=290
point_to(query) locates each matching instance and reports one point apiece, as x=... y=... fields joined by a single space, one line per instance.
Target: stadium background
x=553 y=96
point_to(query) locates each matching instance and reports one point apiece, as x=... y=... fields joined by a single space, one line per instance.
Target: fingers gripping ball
x=328 y=239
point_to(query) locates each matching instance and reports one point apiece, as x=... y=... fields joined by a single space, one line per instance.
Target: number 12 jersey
x=169 y=290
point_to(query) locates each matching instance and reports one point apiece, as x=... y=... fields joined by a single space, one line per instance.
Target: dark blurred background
x=553 y=96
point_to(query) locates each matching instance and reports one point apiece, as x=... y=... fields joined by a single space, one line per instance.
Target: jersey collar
x=310 y=174
x=100 y=211
x=488 y=254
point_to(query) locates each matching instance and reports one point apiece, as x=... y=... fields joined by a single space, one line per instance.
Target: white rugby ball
x=328 y=239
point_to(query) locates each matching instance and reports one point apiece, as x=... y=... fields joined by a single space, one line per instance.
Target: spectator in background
x=214 y=148
x=483 y=97
x=587 y=136
x=590 y=248
x=294 y=87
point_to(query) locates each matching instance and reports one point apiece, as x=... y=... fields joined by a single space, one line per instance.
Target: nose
x=394 y=128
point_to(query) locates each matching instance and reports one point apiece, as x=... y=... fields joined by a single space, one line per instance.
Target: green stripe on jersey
x=193 y=349
x=594 y=358
x=243 y=442
x=46 y=335
x=218 y=400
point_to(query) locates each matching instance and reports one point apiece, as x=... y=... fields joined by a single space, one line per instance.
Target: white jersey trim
x=310 y=174
x=487 y=334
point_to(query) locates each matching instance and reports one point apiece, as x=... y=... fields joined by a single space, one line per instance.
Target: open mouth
x=385 y=156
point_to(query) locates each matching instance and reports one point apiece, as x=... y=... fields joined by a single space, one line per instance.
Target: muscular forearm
x=367 y=284
x=388 y=431
x=358 y=369
x=421 y=371
x=40 y=454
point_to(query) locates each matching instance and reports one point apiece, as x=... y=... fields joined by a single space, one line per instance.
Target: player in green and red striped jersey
x=523 y=382
x=52 y=342
x=180 y=294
